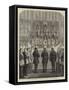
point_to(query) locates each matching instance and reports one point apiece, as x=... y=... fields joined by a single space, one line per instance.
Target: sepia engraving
x=41 y=44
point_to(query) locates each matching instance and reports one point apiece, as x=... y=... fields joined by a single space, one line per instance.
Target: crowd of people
x=26 y=59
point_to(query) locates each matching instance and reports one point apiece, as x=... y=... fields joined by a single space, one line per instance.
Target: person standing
x=25 y=62
x=53 y=59
x=62 y=62
x=58 y=61
x=36 y=59
x=44 y=56
x=29 y=61
x=21 y=63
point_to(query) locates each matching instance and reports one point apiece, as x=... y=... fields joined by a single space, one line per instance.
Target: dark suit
x=53 y=59
x=44 y=56
x=62 y=65
x=25 y=65
x=36 y=59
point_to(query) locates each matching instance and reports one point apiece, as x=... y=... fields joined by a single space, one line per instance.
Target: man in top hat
x=53 y=59
x=36 y=59
x=44 y=56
